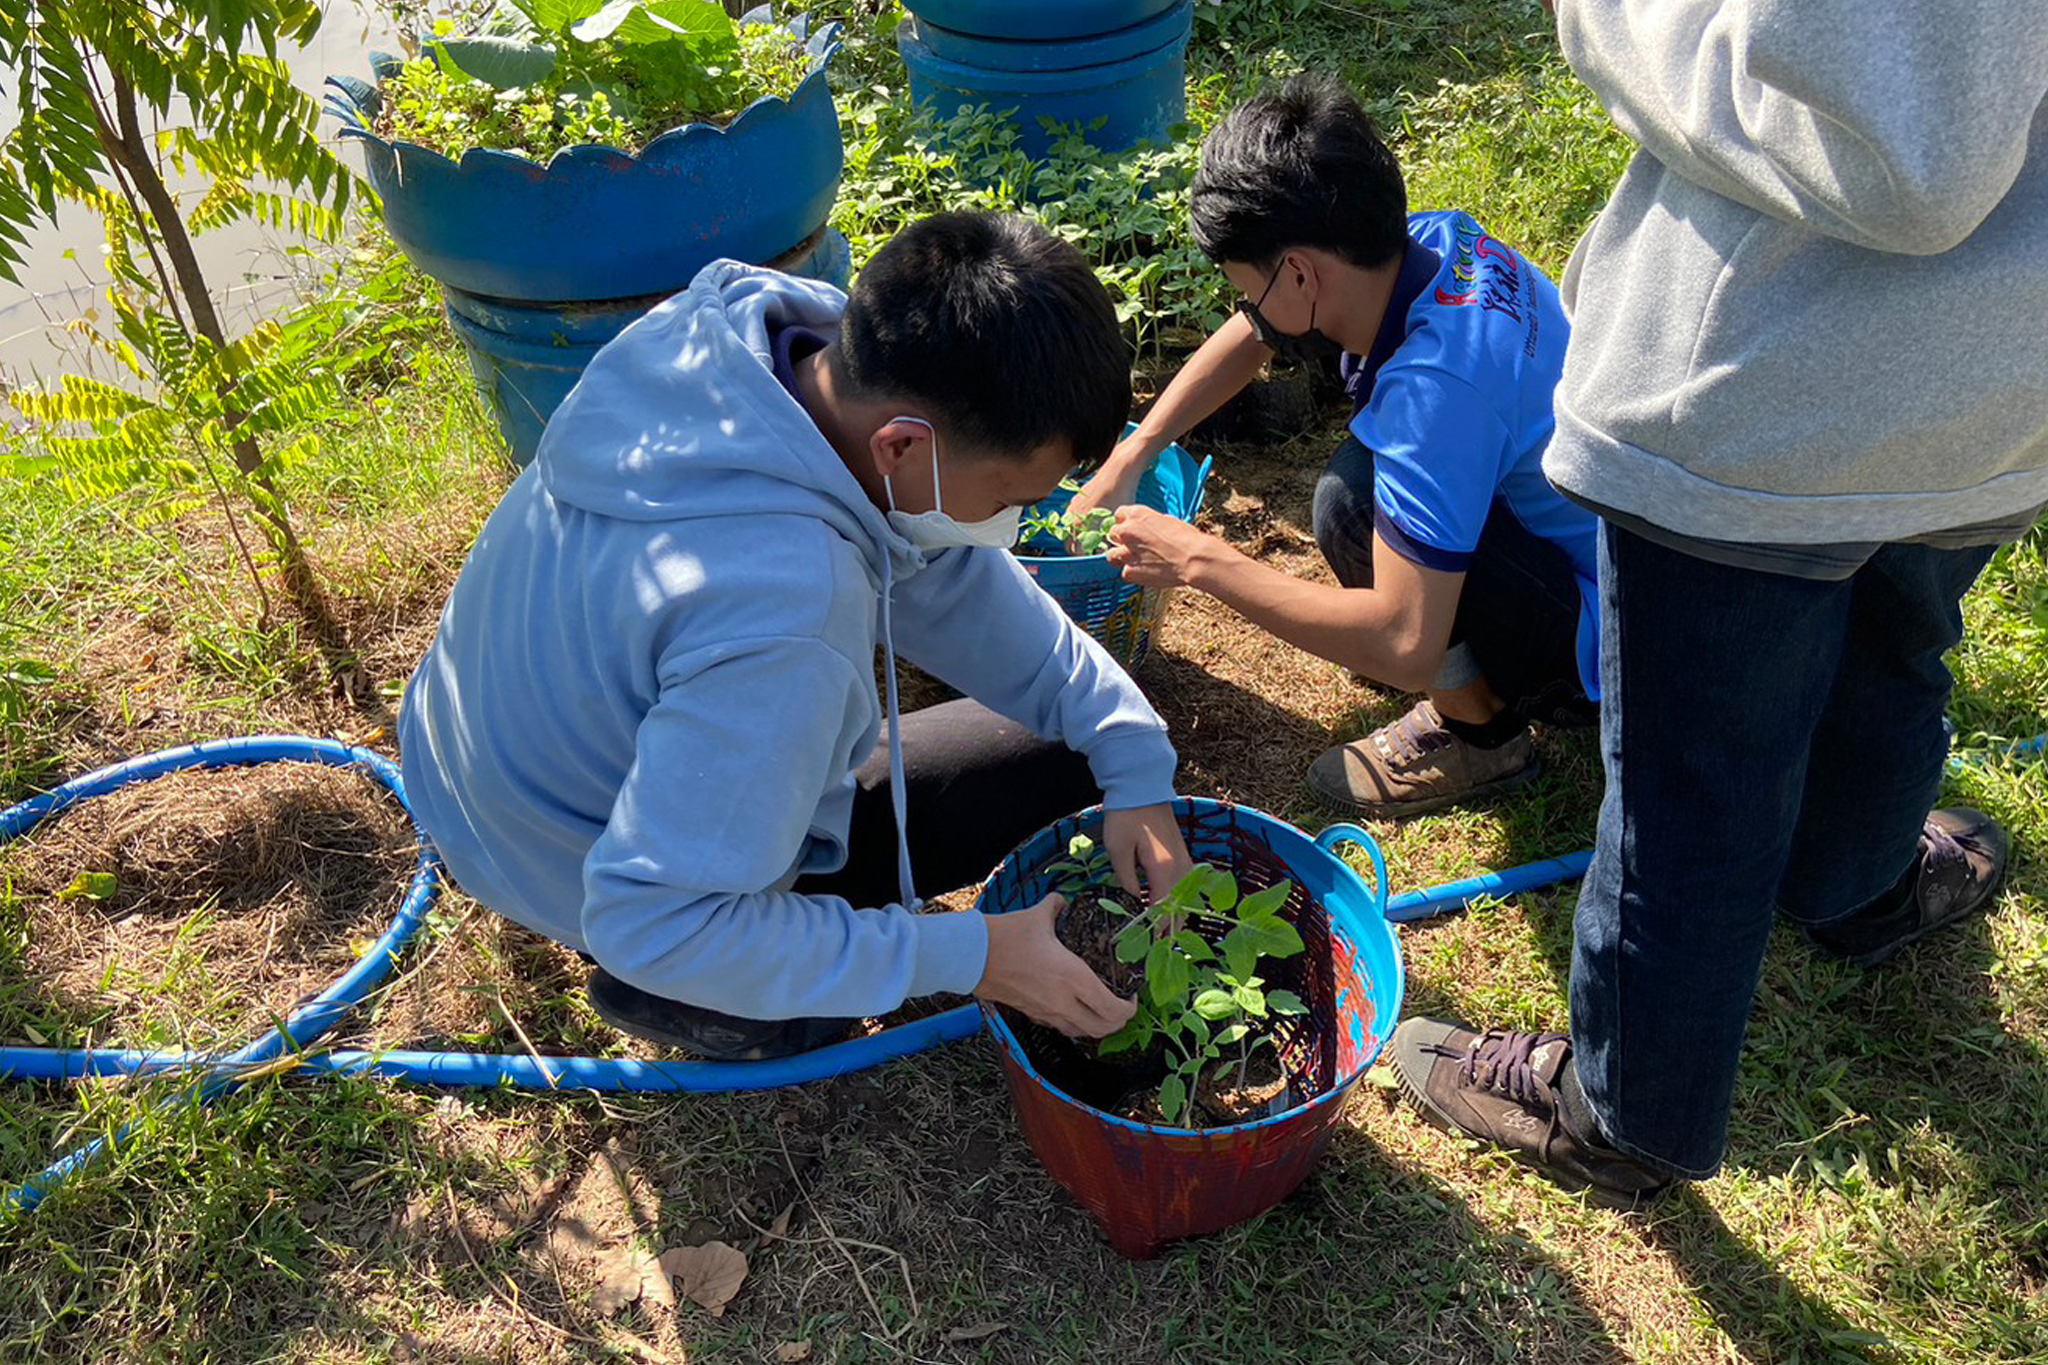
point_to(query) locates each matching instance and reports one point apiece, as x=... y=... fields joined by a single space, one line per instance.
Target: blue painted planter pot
x=1135 y=85
x=543 y=264
x=992 y=53
x=525 y=357
x=595 y=223
x=1037 y=18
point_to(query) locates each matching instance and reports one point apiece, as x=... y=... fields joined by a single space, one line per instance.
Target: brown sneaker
x=1503 y=1088
x=1963 y=854
x=1416 y=765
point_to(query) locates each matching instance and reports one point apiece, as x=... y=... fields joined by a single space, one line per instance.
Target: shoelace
x=1503 y=1062
x=1506 y=1060
x=1409 y=738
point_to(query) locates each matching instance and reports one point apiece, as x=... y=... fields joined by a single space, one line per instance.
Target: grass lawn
x=1884 y=1192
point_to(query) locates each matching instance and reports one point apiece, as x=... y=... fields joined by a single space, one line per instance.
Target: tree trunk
x=128 y=148
x=132 y=154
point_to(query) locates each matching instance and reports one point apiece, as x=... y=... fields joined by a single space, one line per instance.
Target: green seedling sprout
x=1087 y=534
x=1203 y=1000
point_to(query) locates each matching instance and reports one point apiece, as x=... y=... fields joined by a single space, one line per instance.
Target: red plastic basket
x=1149 y=1184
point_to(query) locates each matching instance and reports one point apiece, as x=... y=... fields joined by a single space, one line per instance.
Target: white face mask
x=934 y=530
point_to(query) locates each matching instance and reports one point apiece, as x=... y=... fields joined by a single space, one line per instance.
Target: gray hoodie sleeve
x=974 y=619
x=680 y=893
x=1895 y=127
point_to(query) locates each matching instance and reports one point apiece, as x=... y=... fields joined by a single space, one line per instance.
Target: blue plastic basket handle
x=1345 y=833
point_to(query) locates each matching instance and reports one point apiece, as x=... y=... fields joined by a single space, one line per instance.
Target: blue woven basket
x=1121 y=615
x=1149 y=1184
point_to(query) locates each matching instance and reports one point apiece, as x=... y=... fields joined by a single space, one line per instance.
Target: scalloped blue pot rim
x=599 y=223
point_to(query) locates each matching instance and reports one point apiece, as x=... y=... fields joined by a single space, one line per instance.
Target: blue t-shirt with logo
x=1455 y=403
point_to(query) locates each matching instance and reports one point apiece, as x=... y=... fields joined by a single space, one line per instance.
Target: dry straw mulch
x=239 y=893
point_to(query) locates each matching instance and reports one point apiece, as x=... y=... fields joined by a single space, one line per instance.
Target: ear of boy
x=902 y=452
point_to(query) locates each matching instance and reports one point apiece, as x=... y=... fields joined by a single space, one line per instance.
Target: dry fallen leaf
x=779 y=1228
x=710 y=1274
x=619 y=1280
x=790 y=1352
x=657 y=1290
x=625 y=1273
x=977 y=1332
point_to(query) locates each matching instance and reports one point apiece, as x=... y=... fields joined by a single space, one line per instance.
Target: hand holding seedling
x=1081 y=531
x=1116 y=483
x=1029 y=968
x=1146 y=840
x=1158 y=551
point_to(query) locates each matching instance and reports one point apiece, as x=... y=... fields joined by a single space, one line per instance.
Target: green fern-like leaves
x=99 y=438
x=248 y=124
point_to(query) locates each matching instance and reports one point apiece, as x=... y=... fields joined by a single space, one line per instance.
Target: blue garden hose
x=223 y=1071
x=527 y=1071
x=307 y=1023
x=1440 y=900
x=220 y=1072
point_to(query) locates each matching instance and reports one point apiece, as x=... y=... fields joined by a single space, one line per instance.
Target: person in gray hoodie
x=1807 y=388
x=648 y=725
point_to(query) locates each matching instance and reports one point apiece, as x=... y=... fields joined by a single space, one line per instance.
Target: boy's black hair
x=998 y=328
x=1299 y=166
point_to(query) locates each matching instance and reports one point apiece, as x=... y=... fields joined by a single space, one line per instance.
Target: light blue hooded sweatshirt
x=654 y=678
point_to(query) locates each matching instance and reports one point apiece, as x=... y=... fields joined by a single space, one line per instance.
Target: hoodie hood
x=646 y=435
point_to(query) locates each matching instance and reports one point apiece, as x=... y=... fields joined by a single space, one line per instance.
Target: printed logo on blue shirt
x=1487 y=272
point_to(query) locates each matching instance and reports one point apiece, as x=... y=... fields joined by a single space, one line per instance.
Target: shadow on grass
x=1763 y=1313
x=1233 y=741
x=1370 y=1260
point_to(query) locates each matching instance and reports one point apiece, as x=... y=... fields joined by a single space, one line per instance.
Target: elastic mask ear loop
x=888 y=489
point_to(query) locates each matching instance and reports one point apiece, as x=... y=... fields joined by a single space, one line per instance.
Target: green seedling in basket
x=1085 y=868
x=1087 y=534
x=1205 y=1001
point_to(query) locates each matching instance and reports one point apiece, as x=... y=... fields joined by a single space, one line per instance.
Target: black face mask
x=1309 y=348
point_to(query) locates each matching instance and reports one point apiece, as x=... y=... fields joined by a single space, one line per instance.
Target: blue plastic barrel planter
x=1037 y=18
x=526 y=357
x=544 y=263
x=1127 y=70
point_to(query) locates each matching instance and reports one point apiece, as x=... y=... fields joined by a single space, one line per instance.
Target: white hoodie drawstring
x=898 y=795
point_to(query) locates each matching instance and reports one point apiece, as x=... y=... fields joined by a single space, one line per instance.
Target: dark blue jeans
x=1771 y=744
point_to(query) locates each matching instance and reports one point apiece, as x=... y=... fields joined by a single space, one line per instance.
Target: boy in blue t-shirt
x=1464 y=574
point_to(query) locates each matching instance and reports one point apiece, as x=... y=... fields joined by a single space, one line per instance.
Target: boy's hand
x=1116 y=483
x=1155 y=550
x=1029 y=967
x=1148 y=839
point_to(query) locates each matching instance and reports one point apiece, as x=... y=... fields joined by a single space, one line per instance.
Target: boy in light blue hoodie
x=648 y=727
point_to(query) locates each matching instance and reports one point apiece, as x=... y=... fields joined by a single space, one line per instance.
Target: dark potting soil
x=1127 y=1084
x=1263 y=1090
x=1219 y=1099
x=1090 y=931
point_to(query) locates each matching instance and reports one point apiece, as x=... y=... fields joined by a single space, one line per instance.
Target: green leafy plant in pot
x=562 y=171
x=1275 y=922
x=1204 y=1010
